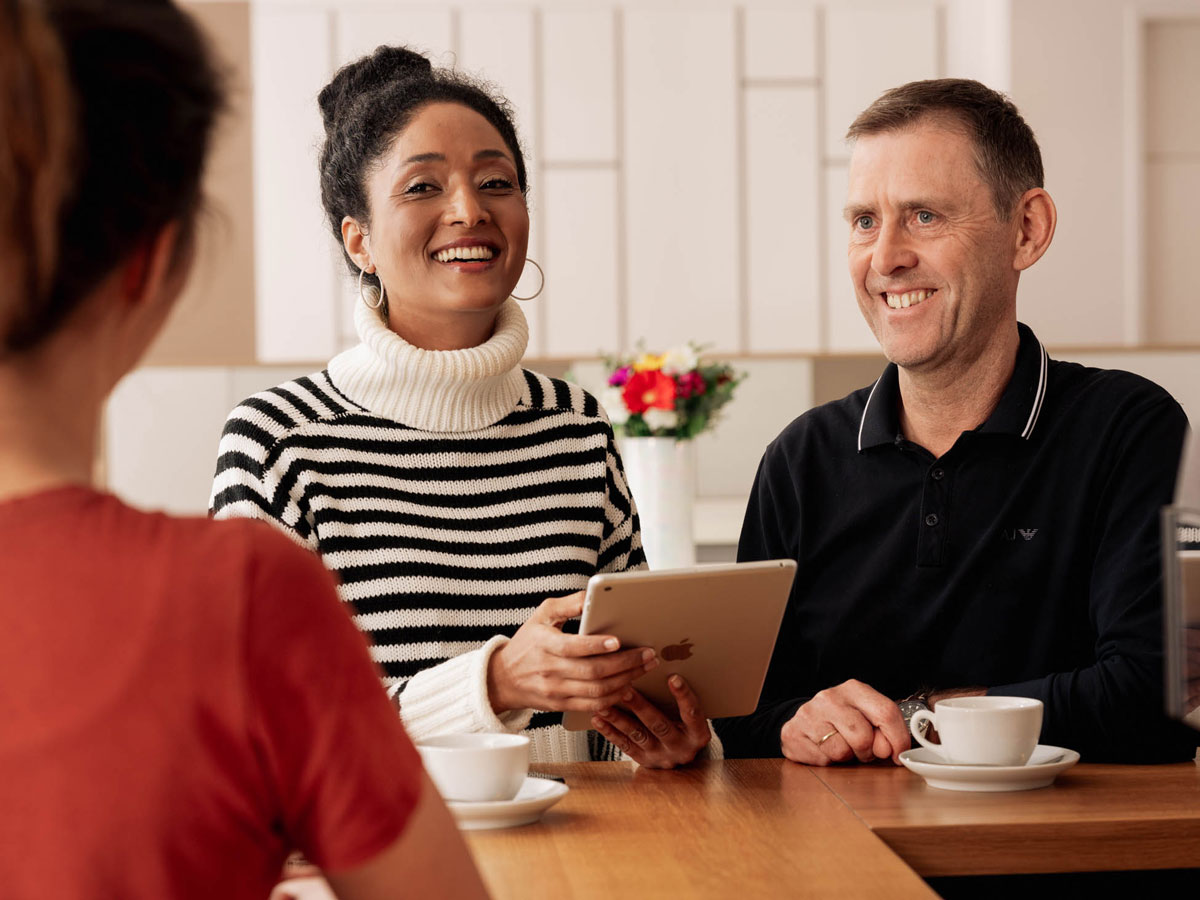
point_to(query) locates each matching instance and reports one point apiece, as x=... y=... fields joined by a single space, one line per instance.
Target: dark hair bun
x=386 y=66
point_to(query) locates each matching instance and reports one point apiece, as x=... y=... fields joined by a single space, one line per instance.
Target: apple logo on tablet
x=682 y=650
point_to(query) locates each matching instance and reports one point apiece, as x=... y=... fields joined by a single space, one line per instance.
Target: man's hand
x=850 y=721
x=542 y=668
x=651 y=737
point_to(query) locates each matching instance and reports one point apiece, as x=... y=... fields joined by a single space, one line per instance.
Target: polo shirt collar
x=1016 y=413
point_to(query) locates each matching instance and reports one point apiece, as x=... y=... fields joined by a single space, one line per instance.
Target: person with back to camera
x=462 y=501
x=155 y=742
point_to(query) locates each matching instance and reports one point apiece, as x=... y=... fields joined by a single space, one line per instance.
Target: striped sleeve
x=621 y=545
x=253 y=478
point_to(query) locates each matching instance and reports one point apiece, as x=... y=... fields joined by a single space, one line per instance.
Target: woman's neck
x=49 y=423
x=449 y=331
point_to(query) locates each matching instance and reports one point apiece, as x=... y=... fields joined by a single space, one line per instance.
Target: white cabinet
x=579 y=87
x=783 y=221
x=682 y=177
x=426 y=30
x=581 y=264
x=780 y=44
x=295 y=267
x=869 y=49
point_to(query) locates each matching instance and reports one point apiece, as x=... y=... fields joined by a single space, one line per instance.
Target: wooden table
x=1093 y=818
x=770 y=828
x=744 y=829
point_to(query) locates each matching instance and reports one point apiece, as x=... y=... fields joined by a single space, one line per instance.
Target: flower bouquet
x=672 y=394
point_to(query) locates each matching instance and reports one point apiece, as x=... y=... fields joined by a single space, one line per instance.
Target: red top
x=181 y=702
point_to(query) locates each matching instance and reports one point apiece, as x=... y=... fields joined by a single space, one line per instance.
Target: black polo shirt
x=1026 y=559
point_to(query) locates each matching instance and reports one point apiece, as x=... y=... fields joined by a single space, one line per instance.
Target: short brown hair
x=1006 y=152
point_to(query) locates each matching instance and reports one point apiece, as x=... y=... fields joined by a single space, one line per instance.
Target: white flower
x=614 y=404
x=679 y=360
x=656 y=418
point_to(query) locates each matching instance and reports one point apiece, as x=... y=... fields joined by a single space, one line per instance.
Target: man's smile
x=908 y=298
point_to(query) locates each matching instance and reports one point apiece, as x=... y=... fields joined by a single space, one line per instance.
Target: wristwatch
x=919 y=699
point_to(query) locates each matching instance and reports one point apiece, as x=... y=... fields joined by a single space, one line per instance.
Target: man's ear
x=1036 y=220
x=356 y=241
x=152 y=265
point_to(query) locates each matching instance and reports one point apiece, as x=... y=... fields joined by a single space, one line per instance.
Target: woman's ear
x=151 y=268
x=356 y=241
x=1036 y=220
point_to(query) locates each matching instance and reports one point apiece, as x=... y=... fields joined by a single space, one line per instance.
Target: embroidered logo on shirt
x=1011 y=534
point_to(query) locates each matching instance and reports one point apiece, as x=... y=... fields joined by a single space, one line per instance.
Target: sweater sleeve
x=453 y=697
x=255 y=476
x=1112 y=710
x=621 y=544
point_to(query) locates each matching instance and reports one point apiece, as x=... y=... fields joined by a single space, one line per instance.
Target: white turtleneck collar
x=434 y=390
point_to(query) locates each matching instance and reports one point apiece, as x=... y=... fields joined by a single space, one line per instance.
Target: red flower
x=649 y=389
x=691 y=384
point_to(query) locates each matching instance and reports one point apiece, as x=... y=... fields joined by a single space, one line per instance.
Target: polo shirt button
x=931 y=519
x=937 y=474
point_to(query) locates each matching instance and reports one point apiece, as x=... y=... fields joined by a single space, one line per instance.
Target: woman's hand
x=542 y=668
x=649 y=736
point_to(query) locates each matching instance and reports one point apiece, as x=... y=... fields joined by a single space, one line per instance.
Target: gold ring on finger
x=826 y=737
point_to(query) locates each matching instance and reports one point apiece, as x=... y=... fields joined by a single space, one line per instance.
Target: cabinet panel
x=781 y=43
x=498 y=46
x=869 y=49
x=1172 y=189
x=294 y=264
x=579 y=86
x=783 y=217
x=428 y=31
x=581 y=263
x=162 y=426
x=1172 y=54
x=682 y=203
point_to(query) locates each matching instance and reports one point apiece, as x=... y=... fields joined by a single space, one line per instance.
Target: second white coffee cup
x=983 y=731
x=476 y=767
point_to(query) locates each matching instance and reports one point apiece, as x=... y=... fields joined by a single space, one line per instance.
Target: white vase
x=662 y=477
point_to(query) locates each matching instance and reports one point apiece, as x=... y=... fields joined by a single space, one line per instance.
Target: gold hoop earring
x=541 y=286
x=380 y=298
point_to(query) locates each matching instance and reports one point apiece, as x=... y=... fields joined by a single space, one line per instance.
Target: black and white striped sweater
x=450 y=492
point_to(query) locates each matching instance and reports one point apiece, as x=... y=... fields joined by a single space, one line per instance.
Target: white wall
x=686 y=161
x=688 y=175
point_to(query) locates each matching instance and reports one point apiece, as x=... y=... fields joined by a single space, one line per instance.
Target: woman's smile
x=448 y=227
x=467 y=255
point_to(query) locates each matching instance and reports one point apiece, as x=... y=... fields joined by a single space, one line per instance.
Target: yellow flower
x=648 y=362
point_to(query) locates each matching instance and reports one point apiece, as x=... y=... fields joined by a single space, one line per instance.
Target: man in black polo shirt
x=982 y=518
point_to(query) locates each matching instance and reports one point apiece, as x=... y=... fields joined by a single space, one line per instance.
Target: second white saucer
x=535 y=797
x=1046 y=764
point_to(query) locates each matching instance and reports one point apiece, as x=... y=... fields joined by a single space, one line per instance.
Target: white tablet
x=715 y=625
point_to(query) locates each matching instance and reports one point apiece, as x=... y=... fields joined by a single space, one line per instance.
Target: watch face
x=908 y=708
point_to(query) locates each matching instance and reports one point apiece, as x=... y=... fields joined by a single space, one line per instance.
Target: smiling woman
x=463 y=501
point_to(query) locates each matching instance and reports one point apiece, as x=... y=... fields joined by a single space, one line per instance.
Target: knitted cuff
x=452 y=697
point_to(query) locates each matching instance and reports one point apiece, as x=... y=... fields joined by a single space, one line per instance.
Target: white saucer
x=1043 y=767
x=535 y=797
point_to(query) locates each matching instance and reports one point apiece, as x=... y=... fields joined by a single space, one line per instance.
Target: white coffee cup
x=476 y=767
x=983 y=731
